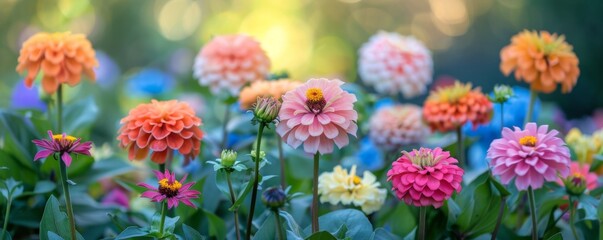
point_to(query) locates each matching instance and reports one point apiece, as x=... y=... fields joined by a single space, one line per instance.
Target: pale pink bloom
x=529 y=156
x=425 y=177
x=229 y=62
x=170 y=189
x=394 y=64
x=393 y=127
x=318 y=114
x=581 y=171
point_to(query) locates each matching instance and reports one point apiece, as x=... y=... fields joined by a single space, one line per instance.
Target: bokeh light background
x=309 y=38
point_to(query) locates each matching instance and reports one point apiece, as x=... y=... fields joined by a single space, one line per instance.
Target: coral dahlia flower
x=229 y=62
x=348 y=188
x=170 y=189
x=392 y=127
x=318 y=114
x=425 y=177
x=450 y=107
x=63 y=145
x=394 y=64
x=581 y=172
x=275 y=89
x=530 y=156
x=62 y=57
x=542 y=60
x=161 y=127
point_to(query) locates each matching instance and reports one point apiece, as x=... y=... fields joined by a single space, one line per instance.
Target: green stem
x=422 y=216
x=501 y=213
x=163 y=213
x=256 y=181
x=533 y=213
x=315 y=226
x=8 y=203
x=161 y=168
x=62 y=166
x=233 y=199
x=224 y=127
x=281 y=158
x=279 y=227
x=530 y=106
x=573 y=218
x=459 y=139
x=502 y=119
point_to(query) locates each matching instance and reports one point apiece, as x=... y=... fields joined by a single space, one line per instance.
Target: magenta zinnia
x=318 y=114
x=425 y=177
x=529 y=156
x=170 y=189
x=63 y=145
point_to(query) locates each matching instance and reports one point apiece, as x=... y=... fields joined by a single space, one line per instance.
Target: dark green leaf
x=54 y=236
x=191 y=233
x=217 y=227
x=132 y=233
x=18 y=134
x=556 y=236
x=322 y=235
x=131 y=186
x=53 y=220
x=81 y=114
x=382 y=234
x=104 y=168
x=359 y=227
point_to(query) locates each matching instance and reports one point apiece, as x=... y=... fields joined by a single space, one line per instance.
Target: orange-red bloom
x=275 y=89
x=541 y=60
x=62 y=57
x=161 y=126
x=448 y=108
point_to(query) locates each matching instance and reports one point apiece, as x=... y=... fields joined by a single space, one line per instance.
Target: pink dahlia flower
x=580 y=172
x=425 y=177
x=63 y=145
x=531 y=156
x=395 y=126
x=229 y=62
x=394 y=64
x=318 y=114
x=170 y=189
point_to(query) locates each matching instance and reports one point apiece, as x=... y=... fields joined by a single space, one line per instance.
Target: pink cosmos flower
x=529 y=156
x=580 y=171
x=318 y=114
x=425 y=177
x=63 y=145
x=229 y=62
x=170 y=189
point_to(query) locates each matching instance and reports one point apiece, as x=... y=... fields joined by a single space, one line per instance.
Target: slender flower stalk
x=281 y=159
x=233 y=199
x=163 y=213
x=225 y=126
x=63 y=166
x=256 y=180
x=573 y=217
x=315 y=226
x=533 y=95
x=533 y=213
x=279 y=227
x=422 y=216
x=275 y=198
x=459 y=139
x=8 y=204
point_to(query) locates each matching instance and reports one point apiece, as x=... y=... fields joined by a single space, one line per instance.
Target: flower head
x=63 y=145
x=449 y=107
x=349 y=188
x=585 y=146
x=542 y=60
x=530 y=156
x=170 y=189
x=161 y=127
x=275 y=89
x=274 y=197
x=425 y=177
x=318 y=114
x=228 y=157
x=229 y=62
x=62 y=57
x=394 y=64
x=501 y=93
x=579 y=179
x=395 y=126
x=266 y=109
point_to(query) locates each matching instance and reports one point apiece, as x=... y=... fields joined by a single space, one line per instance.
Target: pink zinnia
x=229 y=62
x=395 y=126
x=318 y=114
x=425 y=177
x=63 y=145
x=580 y=171
x=171 y=189
x=531 y=156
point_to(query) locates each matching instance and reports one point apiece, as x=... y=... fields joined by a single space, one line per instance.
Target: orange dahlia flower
x=161 y=126
x=275 y=89
x=541 y=60
x=448 y=108
x=62 y=57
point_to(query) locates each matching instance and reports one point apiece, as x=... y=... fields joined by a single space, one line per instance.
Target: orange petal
x=50 y=68
x=50 y=84
x=159 y=157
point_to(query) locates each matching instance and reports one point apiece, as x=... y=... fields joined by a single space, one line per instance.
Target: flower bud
x=575 y=184
x=274 y=197
x=502 y=93
x=228 y=158
x=262 y=154
x=266 y=109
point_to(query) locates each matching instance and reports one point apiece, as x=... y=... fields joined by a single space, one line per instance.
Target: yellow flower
x=585 y=146
x=348 y=188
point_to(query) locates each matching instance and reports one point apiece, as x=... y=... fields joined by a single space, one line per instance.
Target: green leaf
x=81 y=114
x=600 y=215
x=556 y=236
x=322 y=235
x=104 y=168
x=217 y=227
x=131 y=186
x=341 y=232
x=477 y=202
x=133 y=232
x=18 y=136
x=53 y=220
x=41 y=188
x=267 y=230
x=359 y=227
x=54 y=236
x=501 y=189
x=80 y=166
x=191 y=233
x=291 y=224
x=382 y=234
x=168 y=226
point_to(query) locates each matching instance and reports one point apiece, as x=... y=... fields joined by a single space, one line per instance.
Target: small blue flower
x=150 y=82
x=369 y=156
x=107 y=71
x=384 y=102
x=26 y=98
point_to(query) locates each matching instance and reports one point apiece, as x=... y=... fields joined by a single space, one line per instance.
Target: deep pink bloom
x=118 y=197
x=425 y=177
x=171 y=189
x=63 y=145
x=581 y=171
x=529 y=156
x=318 y=114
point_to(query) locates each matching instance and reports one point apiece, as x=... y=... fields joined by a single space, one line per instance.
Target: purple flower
x=171 y=189
x=117 y=197
x=63 y=145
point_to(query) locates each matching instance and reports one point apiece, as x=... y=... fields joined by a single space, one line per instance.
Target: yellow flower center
x=356 y=180
x=314 y=94
x=169 y=189
x=451 y=94
x=422 y=158
x=59 y=137
x=529 y=141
